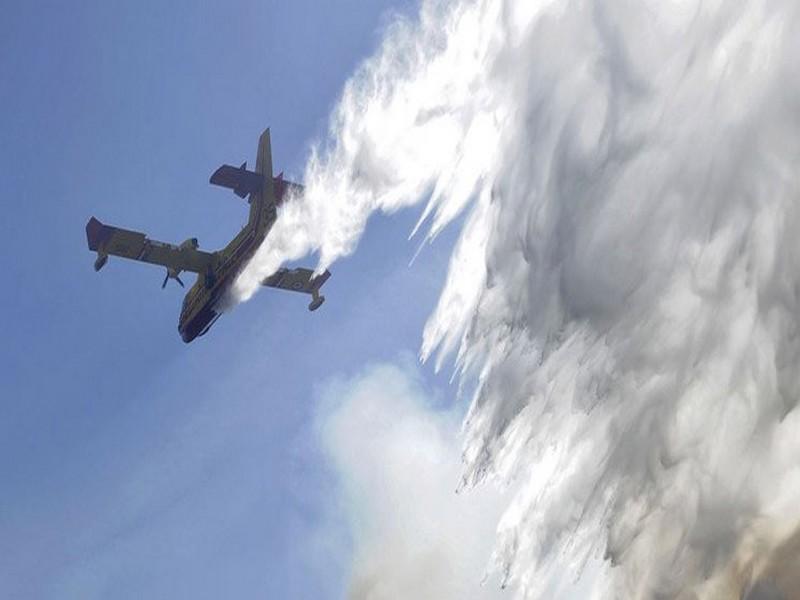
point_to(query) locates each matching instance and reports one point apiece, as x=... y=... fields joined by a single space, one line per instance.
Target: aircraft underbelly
x=200 y=319
x=199 y=323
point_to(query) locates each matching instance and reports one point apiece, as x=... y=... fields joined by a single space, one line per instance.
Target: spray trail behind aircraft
x=626 y=281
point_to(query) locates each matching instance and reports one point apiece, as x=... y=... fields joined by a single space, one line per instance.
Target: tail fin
x=258 y=185
x=263 y=203
x=264 y=159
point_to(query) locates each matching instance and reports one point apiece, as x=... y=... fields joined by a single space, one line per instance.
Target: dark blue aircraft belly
x=200 y=323
x=204 y=318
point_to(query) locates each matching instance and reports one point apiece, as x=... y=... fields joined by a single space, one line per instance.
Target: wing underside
x=299 y=280
x=296 y=280
x=114 y=241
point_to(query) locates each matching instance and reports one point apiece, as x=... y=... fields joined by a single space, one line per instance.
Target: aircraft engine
x=190 y=243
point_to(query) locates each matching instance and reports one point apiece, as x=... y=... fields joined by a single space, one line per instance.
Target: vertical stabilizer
x=264 y=159
x=262 y=205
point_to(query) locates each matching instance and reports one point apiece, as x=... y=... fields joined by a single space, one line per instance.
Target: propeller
x=171 y=275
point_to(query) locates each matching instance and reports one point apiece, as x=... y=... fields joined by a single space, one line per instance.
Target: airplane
x=216 y=271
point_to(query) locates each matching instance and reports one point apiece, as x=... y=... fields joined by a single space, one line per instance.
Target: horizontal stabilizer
x=285 y=189
x=240 y=180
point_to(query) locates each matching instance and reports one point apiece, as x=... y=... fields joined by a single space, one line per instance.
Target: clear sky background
x=132 y=465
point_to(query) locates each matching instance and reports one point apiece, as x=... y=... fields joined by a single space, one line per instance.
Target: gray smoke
x=626 y=282
x=397 y=460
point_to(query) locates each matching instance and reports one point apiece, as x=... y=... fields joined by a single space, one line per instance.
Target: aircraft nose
x=186 y=336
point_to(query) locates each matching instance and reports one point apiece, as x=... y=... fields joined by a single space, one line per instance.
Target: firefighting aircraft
x=216 y=271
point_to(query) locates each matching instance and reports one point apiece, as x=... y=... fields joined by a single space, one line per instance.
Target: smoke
x=398 y=461
x=626 y=282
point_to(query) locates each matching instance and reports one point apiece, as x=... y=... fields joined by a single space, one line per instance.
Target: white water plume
x=626 y=282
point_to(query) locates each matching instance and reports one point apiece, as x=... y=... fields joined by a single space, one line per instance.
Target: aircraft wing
x=299 y=280
x=114 y=241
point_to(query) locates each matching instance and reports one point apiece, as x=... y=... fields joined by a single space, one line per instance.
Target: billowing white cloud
x=627 y=279
x=397 y=462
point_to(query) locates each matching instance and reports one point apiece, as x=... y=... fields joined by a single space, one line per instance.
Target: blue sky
x=132 y=465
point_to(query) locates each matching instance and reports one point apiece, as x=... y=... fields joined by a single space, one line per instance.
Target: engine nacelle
x=191 y=243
